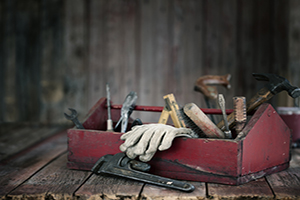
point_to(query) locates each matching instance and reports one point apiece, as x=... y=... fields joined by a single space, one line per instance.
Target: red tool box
x=262 y=148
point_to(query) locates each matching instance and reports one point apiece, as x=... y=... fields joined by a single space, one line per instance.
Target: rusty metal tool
x=109 y=121
x=126 y=110
x=73 y=118
x=120 y=165
x=221 y=101
x=275 y=85
x=205 y=85
x=240 y=113
x=171 y=108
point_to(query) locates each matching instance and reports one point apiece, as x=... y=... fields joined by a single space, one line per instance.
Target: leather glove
x=144 y=140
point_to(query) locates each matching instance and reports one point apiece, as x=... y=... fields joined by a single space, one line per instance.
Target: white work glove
x=144 y=140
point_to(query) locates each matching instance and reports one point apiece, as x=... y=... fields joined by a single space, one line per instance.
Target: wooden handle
x=259 y=98
x=202 y=121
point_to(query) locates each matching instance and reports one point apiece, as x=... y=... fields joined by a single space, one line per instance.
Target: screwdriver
x=222 y=106
x=109 y=121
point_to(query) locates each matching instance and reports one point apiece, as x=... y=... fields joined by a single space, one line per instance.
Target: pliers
x=126 y=110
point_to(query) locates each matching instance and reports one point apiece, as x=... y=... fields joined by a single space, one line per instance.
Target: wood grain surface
x=30 y=159
x=286 y=184
x=57 y=54
x=102 y=186
x=53 y=180
x=39 y=171
x=255 y=189
x=20 y=137
x=154 y=192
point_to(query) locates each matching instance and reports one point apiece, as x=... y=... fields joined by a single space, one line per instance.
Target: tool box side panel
x=267 y=143
x=185 y=155
x=204 y=156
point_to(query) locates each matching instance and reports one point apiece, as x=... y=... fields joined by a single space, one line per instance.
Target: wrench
x=120 y=165
x=73 y=118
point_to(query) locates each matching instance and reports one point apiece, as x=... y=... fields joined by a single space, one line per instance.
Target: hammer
x=275 y=85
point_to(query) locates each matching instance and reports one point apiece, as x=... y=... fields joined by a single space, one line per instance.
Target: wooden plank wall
x=56 y=54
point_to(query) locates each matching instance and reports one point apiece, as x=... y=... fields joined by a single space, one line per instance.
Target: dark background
x=56 y=54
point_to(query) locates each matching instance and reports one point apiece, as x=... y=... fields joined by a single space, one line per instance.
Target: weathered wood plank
x=2 y=61
x=169 y=71
x=295 y=161
x=52 y=61
x=54 y=181
x=107 y=187
x=212 y=19
x=98 y=73
x=75 y=69
x=146 y=90
x=5 y=127
x=294 y=40
x=262 y=35
x=286 y=184
x=130 y=45
x=28 y=46
x=254 y=189
x=154 y=192
x=160 y=43
x=17 y=170
x=293 y=45
x=34 y=174
x=61 y=54
x=245 y=51
x=279 y=34
x=188 y=18
x=264 y=41
x=115 y=62
x=16 y=140
x=11 y=112
x=10 y=137
x=229 y=44
x=280 y=59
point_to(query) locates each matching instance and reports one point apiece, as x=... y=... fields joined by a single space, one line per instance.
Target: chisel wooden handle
x=202 y=121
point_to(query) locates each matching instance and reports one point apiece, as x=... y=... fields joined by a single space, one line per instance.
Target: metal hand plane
x=120 y=165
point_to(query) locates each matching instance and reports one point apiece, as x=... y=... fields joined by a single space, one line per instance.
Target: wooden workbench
x=33 y=165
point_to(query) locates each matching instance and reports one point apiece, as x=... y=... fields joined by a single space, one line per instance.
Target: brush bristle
x=190 y=124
